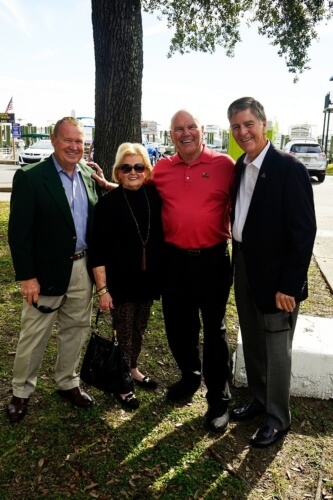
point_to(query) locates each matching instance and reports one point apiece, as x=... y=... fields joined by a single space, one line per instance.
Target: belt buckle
x=80 y=255
x=193 y=253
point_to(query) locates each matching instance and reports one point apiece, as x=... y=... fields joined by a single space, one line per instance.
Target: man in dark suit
x=273 y=229
x=49 y=226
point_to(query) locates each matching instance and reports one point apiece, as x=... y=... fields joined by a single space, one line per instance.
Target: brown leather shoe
x=77 y=397
x=17 y=409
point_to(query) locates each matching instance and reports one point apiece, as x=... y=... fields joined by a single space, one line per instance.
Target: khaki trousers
x=36 y=327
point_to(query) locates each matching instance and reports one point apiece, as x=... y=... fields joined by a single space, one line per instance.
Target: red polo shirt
x=196 y=198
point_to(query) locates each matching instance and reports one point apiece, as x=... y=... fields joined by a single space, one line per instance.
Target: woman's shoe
x=128 y=401
x=146 y=383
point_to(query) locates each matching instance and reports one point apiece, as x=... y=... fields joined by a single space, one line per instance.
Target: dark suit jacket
x=41 y=230
x=280 y=229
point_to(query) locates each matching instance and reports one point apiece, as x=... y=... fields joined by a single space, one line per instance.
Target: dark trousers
x=267 y=346
x=199 y=282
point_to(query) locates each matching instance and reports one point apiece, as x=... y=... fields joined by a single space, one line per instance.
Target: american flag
x=10 y=106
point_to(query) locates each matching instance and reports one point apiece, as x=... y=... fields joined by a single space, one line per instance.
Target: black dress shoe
x=17 y=409
x=217 y=421
x=266 y=436
x=183 y=389
x=128 y=401
x=77 y=397
x=146 y=383
x=246 y=412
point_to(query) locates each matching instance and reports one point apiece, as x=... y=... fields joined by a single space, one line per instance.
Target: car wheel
x=321 y=177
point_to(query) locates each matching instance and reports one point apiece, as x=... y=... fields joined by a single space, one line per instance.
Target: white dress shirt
x=245 y=192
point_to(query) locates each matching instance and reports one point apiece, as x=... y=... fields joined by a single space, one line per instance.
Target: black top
x=116 y=243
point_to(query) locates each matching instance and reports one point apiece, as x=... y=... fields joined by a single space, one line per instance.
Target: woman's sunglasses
x=126 y=169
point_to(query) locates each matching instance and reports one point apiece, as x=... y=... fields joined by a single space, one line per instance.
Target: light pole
x=327 y=113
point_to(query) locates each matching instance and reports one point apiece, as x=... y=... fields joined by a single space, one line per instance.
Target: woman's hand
x=105 y=302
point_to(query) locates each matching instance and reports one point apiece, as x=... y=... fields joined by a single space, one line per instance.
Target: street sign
x=7 y=117
x=149 y=127
x=16 y=130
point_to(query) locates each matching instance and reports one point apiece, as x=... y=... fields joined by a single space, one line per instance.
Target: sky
x=47 y=66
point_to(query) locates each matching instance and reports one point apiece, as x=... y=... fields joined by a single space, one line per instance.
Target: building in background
x=151 y=130
x=89 y=127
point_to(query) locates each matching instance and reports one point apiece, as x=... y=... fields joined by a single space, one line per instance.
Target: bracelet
x=102 y=288
x=102 y=291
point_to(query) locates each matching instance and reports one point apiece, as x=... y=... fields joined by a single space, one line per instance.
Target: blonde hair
x=131 y=149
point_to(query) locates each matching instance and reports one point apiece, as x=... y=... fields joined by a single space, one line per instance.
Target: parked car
x=310 y=153
x=215 y=147
x=38 y=151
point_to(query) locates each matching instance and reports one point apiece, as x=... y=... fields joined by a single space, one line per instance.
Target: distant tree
x=199 y=25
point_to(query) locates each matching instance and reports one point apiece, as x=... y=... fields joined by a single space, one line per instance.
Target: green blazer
x=41 y=232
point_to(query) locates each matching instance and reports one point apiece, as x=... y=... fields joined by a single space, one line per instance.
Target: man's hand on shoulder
x=99 y=177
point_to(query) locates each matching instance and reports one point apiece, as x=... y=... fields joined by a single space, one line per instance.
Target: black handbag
x=104 y=365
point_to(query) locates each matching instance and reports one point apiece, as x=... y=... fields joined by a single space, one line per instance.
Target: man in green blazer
x=49 y=226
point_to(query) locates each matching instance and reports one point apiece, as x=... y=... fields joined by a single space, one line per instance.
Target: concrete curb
x=323 y=273
x=9 y=162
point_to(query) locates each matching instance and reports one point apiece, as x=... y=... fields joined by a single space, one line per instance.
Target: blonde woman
x=126 y=254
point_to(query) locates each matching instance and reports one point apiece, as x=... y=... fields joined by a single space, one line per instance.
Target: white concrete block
x=312 y=359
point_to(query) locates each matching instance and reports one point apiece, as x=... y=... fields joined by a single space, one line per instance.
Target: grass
x=161 y=451
x=329 y=170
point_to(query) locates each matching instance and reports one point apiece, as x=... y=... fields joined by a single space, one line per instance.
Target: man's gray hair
x=67 y=119
x=247 y=103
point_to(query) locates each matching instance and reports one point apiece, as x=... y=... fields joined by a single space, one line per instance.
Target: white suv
x=38 y=151
x=310 y=153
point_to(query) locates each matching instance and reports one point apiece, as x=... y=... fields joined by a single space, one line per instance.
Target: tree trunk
x=118 y=45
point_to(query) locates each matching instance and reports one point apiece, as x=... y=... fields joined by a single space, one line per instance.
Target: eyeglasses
x=47 y=309
x=138 y=167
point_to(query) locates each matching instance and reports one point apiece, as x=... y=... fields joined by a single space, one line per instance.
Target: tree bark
x=118 y=46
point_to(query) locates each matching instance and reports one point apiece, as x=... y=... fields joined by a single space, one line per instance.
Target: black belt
x=80 y=255
x=196 y=252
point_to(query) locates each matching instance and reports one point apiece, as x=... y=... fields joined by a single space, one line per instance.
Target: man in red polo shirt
x=196 y=186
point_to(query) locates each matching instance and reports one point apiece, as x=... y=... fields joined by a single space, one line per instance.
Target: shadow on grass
x=160 y=451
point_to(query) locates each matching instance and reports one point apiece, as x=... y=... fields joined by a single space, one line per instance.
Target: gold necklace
x=144 y=242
